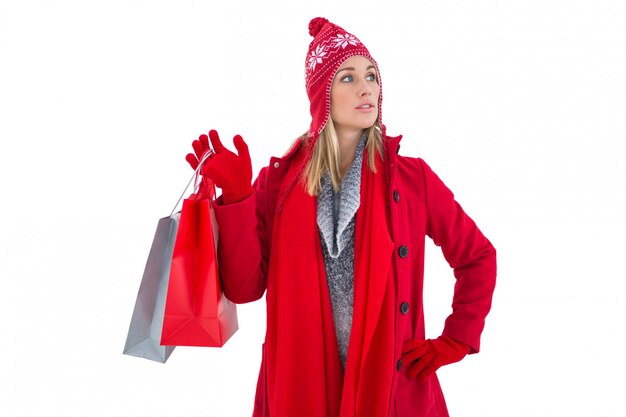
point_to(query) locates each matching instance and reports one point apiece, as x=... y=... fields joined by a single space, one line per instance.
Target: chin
x=368 y=125
x=356 y=124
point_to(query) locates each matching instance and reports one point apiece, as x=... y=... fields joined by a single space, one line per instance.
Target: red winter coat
x=421 y=205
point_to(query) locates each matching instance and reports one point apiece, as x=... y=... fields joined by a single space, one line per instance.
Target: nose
x=364 y=89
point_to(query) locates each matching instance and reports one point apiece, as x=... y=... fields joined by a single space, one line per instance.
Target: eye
x=347 y=78
x=371 y=77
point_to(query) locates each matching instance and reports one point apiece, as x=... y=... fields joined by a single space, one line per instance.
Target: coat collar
x=393 y=145
x=280 y=164
x=294 y=149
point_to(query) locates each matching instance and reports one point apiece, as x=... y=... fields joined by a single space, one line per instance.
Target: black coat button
x=396 y=196
x=399 y=365
x=404 y=307
x=403 y=251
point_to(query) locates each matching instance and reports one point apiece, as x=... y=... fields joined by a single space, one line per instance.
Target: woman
x=335 y=232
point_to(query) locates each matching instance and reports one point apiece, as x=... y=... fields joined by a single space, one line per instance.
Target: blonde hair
x=326 y=156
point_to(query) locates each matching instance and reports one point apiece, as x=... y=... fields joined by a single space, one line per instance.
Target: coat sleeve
x=243 y=250
x=469 y=253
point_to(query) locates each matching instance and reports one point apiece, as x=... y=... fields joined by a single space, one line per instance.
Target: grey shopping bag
x=144 y=334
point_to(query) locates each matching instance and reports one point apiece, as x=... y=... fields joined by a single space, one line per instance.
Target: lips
x=366 y=105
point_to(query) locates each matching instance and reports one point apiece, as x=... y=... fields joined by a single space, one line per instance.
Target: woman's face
x=354 y=95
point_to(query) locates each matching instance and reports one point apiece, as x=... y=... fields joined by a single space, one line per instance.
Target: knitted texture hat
x=330 y=47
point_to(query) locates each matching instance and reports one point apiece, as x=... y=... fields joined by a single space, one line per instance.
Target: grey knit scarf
x=336 y=220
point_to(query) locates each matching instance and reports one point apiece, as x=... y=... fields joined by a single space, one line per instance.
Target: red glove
x=424 y=357
x=206 y=189
x=230 y=172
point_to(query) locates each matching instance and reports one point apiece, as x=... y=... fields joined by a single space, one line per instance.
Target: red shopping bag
x=196 y=311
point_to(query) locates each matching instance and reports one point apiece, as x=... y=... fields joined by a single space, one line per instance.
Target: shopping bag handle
x=194 y=177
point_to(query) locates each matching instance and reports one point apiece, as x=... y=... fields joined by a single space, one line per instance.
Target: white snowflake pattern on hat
x=327 y=48
x=344 y=40
x=317 y=56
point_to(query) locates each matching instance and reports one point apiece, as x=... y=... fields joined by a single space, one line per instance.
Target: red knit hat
x=330 y=47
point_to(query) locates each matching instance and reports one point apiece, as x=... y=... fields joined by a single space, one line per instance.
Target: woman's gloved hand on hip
x=229 y=171
x=424 y=357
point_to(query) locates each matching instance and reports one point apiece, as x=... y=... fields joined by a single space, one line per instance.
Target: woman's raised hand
x=229 y=171
x=200 y=146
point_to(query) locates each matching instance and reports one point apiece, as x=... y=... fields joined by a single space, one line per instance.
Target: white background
x=519 y=106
